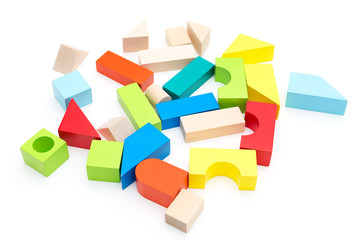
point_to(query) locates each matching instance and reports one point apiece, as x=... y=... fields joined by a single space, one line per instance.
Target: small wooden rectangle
x=212 y=124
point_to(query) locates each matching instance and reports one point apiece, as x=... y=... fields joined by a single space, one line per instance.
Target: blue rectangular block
x=147 y=142
x=189 y=79
x=170 y=112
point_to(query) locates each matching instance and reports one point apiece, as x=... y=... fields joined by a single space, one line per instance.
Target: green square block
x=45 y=152
x=103 y=163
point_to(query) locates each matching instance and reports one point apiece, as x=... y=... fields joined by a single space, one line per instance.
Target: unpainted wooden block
x=184 y=210
x=199 y=35
x=166 y=59
x=137 y=39
x=177 y=36
x=212 y=124
x=117 y=129
x=69 y=59
x=156 y=94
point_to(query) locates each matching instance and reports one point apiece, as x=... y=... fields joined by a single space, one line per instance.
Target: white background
x=310 y=190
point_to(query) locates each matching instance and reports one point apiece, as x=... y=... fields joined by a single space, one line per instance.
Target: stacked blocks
x=104 y=159
x=189 y=79
x=72 y=86
x=44 y=152
x=137 y=107
x=170 y=112
x=147 y=142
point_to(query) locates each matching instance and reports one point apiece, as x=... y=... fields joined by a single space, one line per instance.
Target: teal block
x=189 y=79
x=44 y=152
x=313 y=93
x=69 y=86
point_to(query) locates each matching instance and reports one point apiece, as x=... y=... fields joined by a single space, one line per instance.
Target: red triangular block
x=75 y=129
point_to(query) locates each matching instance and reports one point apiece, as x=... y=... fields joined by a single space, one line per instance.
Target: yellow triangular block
x=199 y=35
x=261 y=84
x=250 y=49
x=137 y=39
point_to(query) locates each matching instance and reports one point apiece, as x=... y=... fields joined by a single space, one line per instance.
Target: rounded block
x=160 y=181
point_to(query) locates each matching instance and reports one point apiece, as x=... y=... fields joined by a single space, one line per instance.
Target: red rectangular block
x=124 y=71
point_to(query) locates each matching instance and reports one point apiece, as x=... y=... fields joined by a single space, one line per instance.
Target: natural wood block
x=184 y=210
x=137 y=39
x=117 y=129
x=156 y=94
x=69 y=59
x=199 y=35
x=212 y=124
x=166 y=59
x=177 y=36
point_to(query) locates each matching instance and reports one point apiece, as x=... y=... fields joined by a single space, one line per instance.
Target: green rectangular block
x=104 y=161
x=44 y=152
x=137 y=107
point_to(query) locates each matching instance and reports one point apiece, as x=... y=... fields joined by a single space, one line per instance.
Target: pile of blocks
x=136 y=144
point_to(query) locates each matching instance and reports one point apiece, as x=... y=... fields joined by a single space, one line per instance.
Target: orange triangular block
x=75 y=129
x=137 y=39
x=199 y=35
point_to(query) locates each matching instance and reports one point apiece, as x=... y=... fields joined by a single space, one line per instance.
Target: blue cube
x=69 y=86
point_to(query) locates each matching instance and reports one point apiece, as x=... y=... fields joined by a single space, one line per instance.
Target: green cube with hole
x=104 y=160
x=45 y=152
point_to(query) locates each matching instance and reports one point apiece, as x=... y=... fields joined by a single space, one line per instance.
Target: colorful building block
x=184 y=210
x=170 y=112
x=239 y=165
x=147 y=142
x=231 y=72
x=189 y=79
x=261 y=118
x=69 y=59
x=177 y=36
x=104 y=159
x=199 y=35
x=137 y=39
x=250 y=49
x=117 y=129
x=261 y=84
x=124 y=71
x=72 y=86
x=160 y=181
x=155 y=94
x=310 y=92
x=137 y=107
x=44 y=152
x=76 y=129
x=167 y=59
x=212 y=124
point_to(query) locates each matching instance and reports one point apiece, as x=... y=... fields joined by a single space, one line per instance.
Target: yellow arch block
x=238 y=164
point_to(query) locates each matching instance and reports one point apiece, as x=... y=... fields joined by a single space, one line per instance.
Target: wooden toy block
x=261 y=84
x=155 y=94
x=160 y=181
x=147 y=142
x=137 y=107
x=124 y=71
x=250 y=49
x=199 y=35
x=69 y=59
x=44 y=152
x=137 y=39
x=231 y=72
x=170 y=112
x=117 y=129
x=104 y=159
x=184 y=210
x=177 y=36
x=167 y=59
x=189 y=79
x=212 y=124
x=261 y=118
x=310 y=92
x=239 y=165
x=76 y=129
x=72 y=86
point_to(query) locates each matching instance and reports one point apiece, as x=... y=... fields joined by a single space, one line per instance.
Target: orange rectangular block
x=124 y=71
